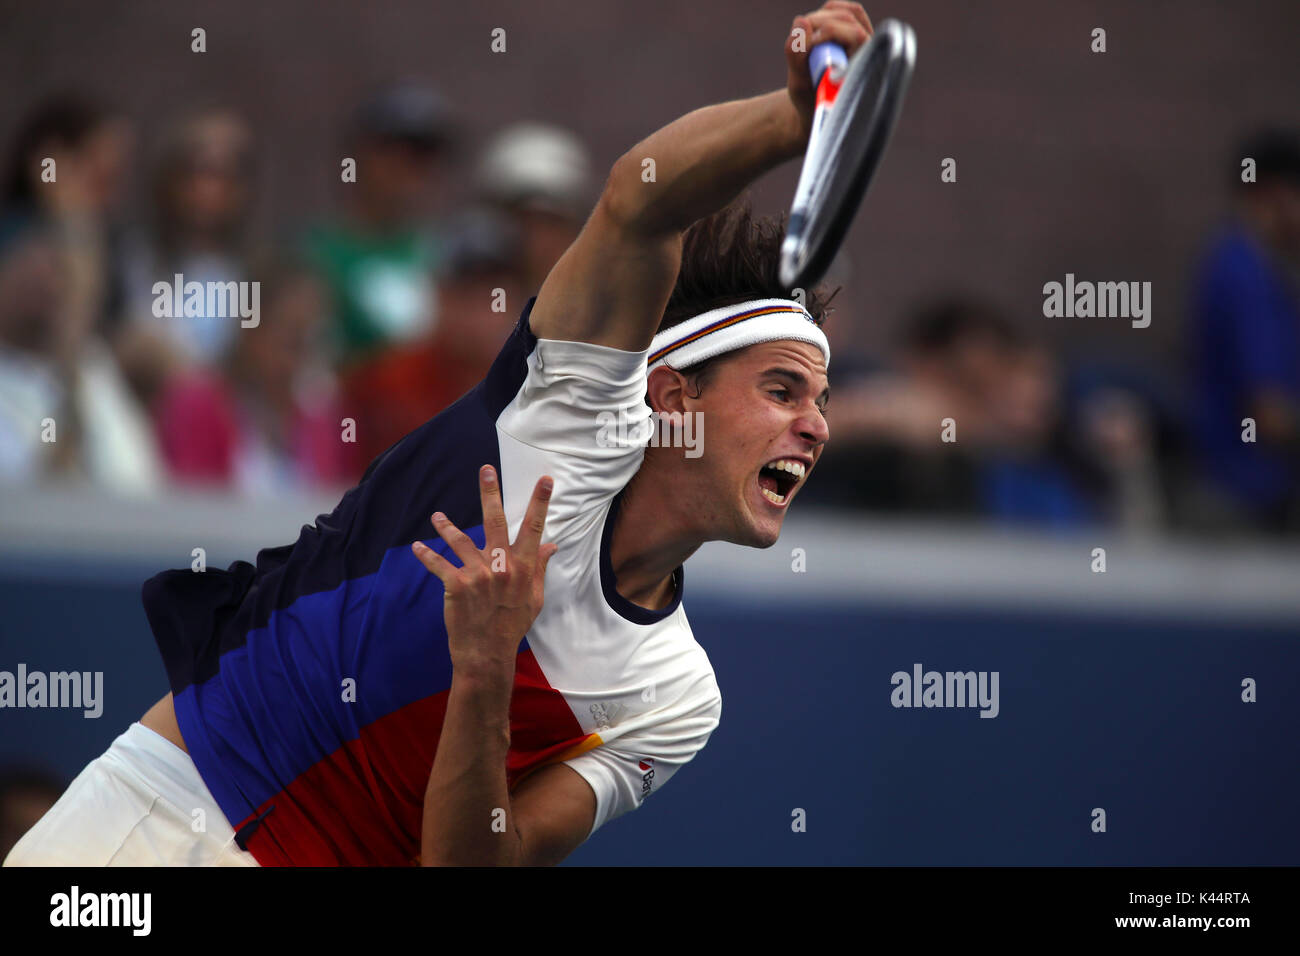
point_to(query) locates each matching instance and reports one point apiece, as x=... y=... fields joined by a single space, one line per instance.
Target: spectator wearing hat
x=540 y=176
x=378 y=259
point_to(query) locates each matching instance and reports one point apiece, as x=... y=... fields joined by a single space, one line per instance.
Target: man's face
x=764 y=430
x=401 y=179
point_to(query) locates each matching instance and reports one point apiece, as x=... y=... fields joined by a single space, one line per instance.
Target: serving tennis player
x=356 y=699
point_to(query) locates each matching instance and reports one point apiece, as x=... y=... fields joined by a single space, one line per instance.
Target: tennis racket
x=858 y=101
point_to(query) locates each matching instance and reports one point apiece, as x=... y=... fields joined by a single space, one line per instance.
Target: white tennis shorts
x=142 y=803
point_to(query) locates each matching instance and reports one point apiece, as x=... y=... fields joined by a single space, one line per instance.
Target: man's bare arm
x=469 y=818
x=611 y=286
x=466 y=804
x=488 y=606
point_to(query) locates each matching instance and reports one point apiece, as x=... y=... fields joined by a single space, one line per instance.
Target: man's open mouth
x=778 y=478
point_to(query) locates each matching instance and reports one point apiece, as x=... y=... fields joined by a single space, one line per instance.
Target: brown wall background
x=1109 y=165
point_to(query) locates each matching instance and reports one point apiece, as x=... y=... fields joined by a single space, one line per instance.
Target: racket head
x=852 y=140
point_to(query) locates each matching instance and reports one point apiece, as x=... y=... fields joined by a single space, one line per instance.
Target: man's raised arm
x=612 y=285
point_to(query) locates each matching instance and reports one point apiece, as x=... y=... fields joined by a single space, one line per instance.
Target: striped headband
x=734 y=327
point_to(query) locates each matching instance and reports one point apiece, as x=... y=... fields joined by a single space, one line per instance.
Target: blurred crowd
x=1039 y=438
x=389 y=308
x=367 y=323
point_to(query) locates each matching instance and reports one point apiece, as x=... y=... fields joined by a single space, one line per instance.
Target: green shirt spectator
x=382 y=285
x=378 y=260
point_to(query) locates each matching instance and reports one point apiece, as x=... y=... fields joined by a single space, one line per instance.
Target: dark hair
x=728 y=257
x=66 y=119
x=1276 y=153
x=940 y=326
x=482 y=242
x=180 y=143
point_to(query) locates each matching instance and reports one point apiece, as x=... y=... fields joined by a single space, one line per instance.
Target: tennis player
x=354 y=699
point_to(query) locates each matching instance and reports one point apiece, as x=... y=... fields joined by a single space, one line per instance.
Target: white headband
x=734 y=327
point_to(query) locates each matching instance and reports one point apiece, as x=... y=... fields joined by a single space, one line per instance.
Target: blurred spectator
x=1246 y=338
x=65 y=178
x=885 y=450
x=378 y=260
x=201 y=196
x=65 y=410
x=1120 y=434
x=266 y=420
x=1031 y=469
x=1014 y=457
x=60 y=290
x=540 y=175
x=26 y=793
x=479 y=299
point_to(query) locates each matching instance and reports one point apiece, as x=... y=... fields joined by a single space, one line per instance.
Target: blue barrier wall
x=1139 y=716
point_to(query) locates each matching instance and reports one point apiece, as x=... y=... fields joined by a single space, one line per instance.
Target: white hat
x=537 y=165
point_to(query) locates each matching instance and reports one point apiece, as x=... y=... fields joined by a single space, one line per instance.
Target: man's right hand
x=838 y=21
x=491 y=600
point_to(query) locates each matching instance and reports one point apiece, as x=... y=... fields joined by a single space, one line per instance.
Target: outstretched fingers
x=527 y=552
x=461 y=544
x=436 y=564
x=496 y=531
x=530 y=532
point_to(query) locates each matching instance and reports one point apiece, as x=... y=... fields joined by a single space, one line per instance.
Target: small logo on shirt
x=607 y=714
x=648 y=765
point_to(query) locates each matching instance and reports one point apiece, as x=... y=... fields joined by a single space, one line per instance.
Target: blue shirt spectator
x=1246 y=333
